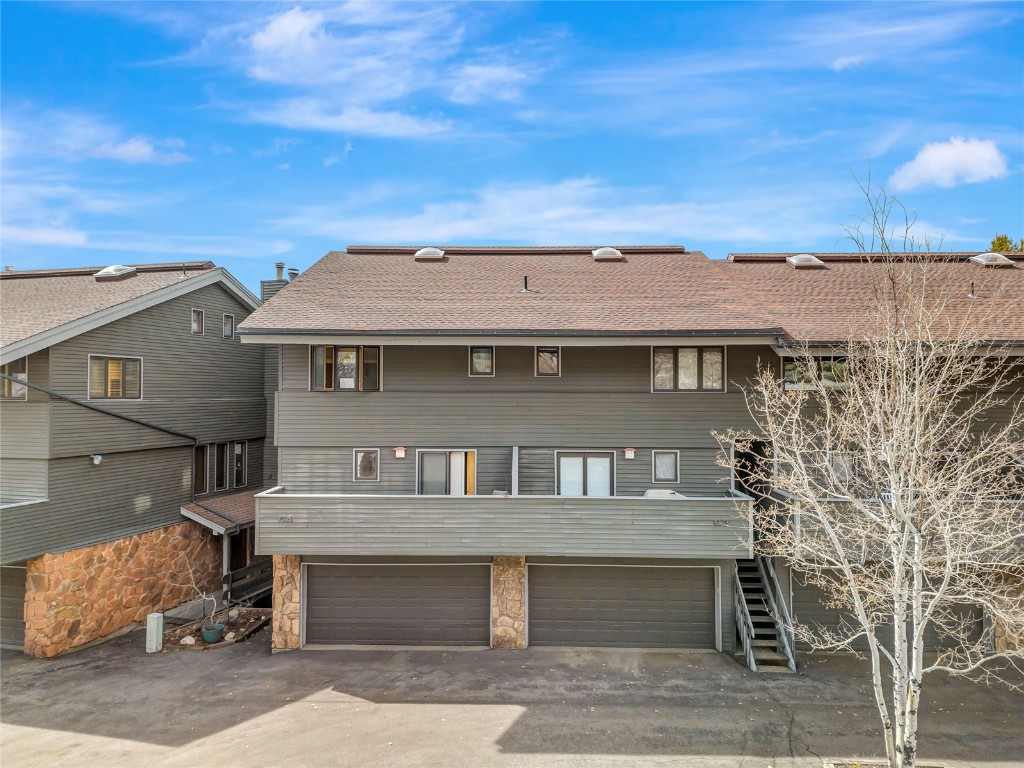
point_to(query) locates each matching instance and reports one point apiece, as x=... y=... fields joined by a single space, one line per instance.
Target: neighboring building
x=127 y=395
x=512 y=446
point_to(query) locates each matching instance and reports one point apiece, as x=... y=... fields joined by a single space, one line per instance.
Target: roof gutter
x=509 y=333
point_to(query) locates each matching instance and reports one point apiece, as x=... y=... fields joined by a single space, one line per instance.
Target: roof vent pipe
x=293 y=273
x=280 y=270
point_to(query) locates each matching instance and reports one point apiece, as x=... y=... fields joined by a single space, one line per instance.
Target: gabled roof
x=506 y=291
x=837 y=301
x=39 y=308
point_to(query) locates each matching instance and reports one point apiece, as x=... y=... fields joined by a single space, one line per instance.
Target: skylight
x=429 y=254
x=607 y=253
x=114 y=272
x=992 y=260
x=805 y=261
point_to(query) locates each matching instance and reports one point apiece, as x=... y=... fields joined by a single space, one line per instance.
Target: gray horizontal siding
x=206 y=386
x=24 y=430
x=22 y=480
x=127 y=493
x=329 y=470
x=486 y=525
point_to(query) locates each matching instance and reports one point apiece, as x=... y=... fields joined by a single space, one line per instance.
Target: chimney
x=280 y=270
x=8 y=268
x=293 y=273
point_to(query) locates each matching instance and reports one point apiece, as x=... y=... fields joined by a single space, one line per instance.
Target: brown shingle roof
x=227 y=510
x=836 y=302
x=35 y=301
x=480 y=290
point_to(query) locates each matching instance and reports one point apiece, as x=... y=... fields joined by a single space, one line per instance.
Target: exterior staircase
x=764 y=641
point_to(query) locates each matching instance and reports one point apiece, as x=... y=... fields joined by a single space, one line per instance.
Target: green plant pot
x=212 y=633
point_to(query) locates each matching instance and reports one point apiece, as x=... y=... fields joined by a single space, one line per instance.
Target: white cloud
x=314 y=114
x=484 y=82
x=949 y=163
x=336 y=157
x=56 y=236
x=137 y=150
x=846 y=62
x=573 y=211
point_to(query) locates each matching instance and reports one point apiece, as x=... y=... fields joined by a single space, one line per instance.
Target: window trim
x=8 y=384
x=202 y=322
x=700 y=369
x=447 y=452
x=206 y=474
x=536 y=362
x=142 y=377
x=245 y=463
x=227 y=466
x=223 y=322
x=359 y=366
x=584 y=453
x=654 y=465
x=355 y=465
x=469 y=364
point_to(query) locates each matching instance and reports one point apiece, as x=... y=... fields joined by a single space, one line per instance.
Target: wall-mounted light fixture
x=400 y=452
x=96 y=458
x=630 y=453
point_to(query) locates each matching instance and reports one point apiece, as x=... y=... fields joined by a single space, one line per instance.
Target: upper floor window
x=831 y=372
x=688 y=369
x=481 y=361
x=366 y=463
x=665 y=466
x=547 y=361
x=115 y=378
x=13 y=390
x=333 y=368
x=229 y=326
x=200 y=468
x=586 y=474
x=238 y=464
x=198 y=322
x=446 y=473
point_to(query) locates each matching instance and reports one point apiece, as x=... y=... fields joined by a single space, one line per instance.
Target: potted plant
x=212 y=630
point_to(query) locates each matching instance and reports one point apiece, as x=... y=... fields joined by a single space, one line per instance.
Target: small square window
x=666 y=466
x=229 y=326
x=198 y=325
x=548 y=361
x=367 y=464
x=481 y=361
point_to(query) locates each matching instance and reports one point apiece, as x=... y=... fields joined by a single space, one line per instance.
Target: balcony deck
x=288 y=522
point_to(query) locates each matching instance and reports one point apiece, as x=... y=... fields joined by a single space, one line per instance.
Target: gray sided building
x=126 y=395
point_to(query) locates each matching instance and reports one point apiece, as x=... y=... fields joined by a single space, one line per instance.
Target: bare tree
x=898 y=475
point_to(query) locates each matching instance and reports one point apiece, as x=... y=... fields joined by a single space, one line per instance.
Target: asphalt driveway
x=114 y=705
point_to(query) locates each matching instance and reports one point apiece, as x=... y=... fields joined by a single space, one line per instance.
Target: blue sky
x=251 y=133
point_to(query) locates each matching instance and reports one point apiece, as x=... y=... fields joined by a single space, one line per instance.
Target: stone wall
x=508 y=602
x=287 y=622
x=81 y=595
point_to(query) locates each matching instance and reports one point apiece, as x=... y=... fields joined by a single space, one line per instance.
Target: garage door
x=398 y=604
x=621 y=606
x=12 y=606
x=809 y=608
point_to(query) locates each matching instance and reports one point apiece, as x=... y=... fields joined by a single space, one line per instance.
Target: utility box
x=154 y=633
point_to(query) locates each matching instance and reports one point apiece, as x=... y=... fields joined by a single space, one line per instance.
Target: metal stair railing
x=744 y=625
x=777 y=607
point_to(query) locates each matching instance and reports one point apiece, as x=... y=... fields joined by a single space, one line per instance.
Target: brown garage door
x=622 y=606
x=809 y=607
x=398 y=604
x=12 y=606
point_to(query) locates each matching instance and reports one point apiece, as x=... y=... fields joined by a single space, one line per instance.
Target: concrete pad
x=114 y=705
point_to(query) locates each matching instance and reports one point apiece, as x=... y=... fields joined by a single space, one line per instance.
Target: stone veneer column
x=75 y=597
x=508 y=602
x=287 y=603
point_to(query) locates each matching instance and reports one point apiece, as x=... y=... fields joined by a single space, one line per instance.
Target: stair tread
x=760 y=654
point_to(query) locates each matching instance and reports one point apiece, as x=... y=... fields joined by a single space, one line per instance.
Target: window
x=220 y=467
x=832 y=372
x=200 y=467
x=366 y=463
x=12 y=390
x=336 y=369
x=481 y=361
x=229 y=326
x=446 y=473
x=666 y=466
x=198 y=327
x=115 y=378
x=692 y=369
x=238 y=464
x=547 y=361
x=585 y=474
